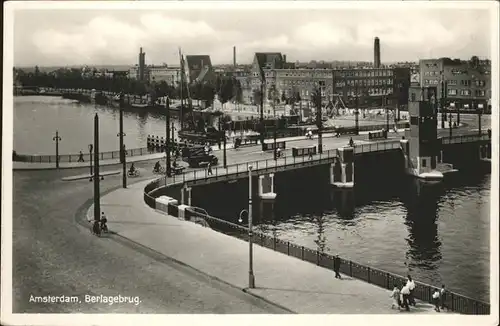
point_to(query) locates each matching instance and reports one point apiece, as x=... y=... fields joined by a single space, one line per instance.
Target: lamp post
x=91 y=147
x=319 y=117
x=121 y=134
x=356 y=112
x=97 y=196
x=57 y=139
x=251 y=277
x=479 y=114
x=386 y=114
x=274 y=138
x=450 y=126
x=167 y=140
x=262 y=114
x=222 y=134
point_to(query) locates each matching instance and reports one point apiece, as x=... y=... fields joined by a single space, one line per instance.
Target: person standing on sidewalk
x=80 y=157
x=396 y=297
x=442 y=296
x=405 y=291
x=435 y=298
x=411 y=286
x=209 y=168
x=336 y=266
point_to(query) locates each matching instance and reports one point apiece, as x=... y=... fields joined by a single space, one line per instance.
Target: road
x=54 y=255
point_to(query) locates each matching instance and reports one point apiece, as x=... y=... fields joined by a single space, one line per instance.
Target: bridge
x=288 y=163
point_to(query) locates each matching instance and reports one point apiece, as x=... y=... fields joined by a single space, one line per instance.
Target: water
x=440 y=235
x=36 y=119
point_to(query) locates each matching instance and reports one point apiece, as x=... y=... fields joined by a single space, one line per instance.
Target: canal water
x=438 y=234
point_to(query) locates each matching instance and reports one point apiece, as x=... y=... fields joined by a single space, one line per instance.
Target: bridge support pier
x=425 y=168
x=186 y=195
x=342 y=170
x=485 y=152
x=343 y=200
x=266 y=186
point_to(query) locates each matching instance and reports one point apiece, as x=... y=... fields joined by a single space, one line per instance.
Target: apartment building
x=372 y=86
x=466 y=85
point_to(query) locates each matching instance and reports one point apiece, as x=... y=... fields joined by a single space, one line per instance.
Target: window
x=480 y=83
x=452 y=82
x=465 y=82
x=424 y=163
x=452 y=92
x=389 y=82
x=480 y=92
x=465 y=92
x=414 y=120
x=426 y=81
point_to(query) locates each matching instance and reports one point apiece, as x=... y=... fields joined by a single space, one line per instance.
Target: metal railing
x=454 y=301
x=465 y=139
x=71 y=158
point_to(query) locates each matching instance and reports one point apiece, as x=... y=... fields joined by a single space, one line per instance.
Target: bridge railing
x=71 y=158
x=377 y=147
x=465 y=138
x=454 y=301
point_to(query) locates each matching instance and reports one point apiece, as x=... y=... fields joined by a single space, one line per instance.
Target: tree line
x=226 y=88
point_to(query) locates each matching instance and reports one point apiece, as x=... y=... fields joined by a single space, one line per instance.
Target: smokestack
x=376 y=53
x=234 y=56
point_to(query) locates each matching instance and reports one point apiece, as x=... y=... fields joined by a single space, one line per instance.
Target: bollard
x=350 y=268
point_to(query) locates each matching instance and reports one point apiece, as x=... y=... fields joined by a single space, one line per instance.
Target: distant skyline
x=59 y=37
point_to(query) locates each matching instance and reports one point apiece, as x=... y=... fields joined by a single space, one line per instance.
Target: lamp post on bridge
x=91 y=147
x=121 y=134
x=262 y=129
x=168 y=167
x=57 y=139
x=222 y=134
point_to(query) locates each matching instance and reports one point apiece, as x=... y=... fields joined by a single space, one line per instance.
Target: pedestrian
x=209 y=168
x=442 y=296
x=435 y=298
x=336 y=266
x=80 y=157
x=405 y=291
x=396 y=297
x=411 y=286
x=310 y=154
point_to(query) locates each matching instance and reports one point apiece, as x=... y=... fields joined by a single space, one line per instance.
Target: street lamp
x=121 y=134
x=97 y=195
x=450 y=126
x=251 y=277
x=91 y=147
x=274 y=139
x=57 y=140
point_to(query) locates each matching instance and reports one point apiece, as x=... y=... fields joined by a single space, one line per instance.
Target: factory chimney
x=234 y=56
x=376 y=53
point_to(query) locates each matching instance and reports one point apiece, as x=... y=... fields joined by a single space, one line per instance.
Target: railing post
x=452 y=302
x=274 y=243
x=387 y=281
x=350 y=268
x=288 y=248
x=369 y=275
x=317 y=257
x=302 y=253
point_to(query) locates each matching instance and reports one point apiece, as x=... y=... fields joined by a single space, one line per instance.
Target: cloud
x=114 y=36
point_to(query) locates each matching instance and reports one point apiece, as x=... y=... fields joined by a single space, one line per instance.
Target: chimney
x=376 y=53
x=234 y=56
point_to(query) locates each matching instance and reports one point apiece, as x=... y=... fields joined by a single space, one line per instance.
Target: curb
x=81 y=217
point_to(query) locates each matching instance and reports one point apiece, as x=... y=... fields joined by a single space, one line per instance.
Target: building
x=198 y=68
x=465 y=85
x=164 y=73
x=376 y=53
x=371 y=86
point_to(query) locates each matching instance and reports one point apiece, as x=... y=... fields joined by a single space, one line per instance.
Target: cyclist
x=132 y=169
x=157 y=167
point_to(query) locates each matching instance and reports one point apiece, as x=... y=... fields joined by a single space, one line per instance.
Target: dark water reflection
x=439 y=234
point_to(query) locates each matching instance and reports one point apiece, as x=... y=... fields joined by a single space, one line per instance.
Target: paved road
x=53 y=255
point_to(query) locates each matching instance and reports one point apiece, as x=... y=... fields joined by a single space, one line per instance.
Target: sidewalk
x=299 y=286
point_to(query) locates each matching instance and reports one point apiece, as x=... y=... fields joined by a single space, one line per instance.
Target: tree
x=225 y=91
x=257 y=95
x=283 y=97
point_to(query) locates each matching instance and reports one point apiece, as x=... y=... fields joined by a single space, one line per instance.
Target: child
x=435 y=297
x=396 y=297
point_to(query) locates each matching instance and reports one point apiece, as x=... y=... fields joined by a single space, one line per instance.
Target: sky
x=55 y=37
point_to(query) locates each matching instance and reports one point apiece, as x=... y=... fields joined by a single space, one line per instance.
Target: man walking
x=209 y=168
x=405 y=291
x=336 y=266
x=80 y=157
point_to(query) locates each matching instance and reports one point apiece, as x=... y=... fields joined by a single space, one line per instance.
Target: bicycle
x=134 y=174
x=161 y=170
